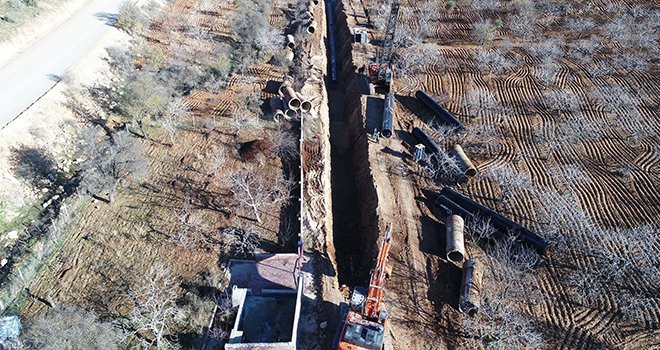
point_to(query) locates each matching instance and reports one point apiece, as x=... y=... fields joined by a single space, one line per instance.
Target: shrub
x=131 y=18
x=483 y=31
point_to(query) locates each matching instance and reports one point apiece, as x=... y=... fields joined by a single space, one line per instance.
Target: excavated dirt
x=422 y=294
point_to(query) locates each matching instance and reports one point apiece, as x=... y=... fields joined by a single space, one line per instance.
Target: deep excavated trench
x=354 y=199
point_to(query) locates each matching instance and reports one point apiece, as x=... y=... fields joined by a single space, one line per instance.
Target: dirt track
x=422 y=294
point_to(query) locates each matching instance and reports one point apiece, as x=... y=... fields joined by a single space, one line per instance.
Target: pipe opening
x=306 y=106
x=386 y=133
x=294 y=103
x=455 y=256
x=291 y=114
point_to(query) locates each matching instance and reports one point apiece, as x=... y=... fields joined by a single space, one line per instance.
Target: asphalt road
x=34 y=71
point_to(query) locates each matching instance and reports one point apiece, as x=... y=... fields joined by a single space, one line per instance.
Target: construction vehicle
x=380 y=72
x=365 y=323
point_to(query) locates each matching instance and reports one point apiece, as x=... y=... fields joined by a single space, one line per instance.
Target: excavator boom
x=375 y=292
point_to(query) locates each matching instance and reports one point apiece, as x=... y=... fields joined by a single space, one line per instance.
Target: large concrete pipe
x=289 y=56
x=311 y=27
x=498 y=221
x=388 y=116
x=431 y=147
x=276 y=108
x=290 y=42
x=290 y=114
x=438 y=110
x=309 y=15
x=470 y=299
x=291 y=98
x=463 y=161
x=455 y=244
x=305 y=106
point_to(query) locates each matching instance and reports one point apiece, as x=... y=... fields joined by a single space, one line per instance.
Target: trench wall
x=355 y=86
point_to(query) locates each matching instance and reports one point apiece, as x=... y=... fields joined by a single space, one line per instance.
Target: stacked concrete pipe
x=305 y=106
x=290 y=42
x=276 y=108
x=311 y=27
x=290 y=97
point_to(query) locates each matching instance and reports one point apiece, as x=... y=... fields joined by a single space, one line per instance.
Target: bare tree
x=562 y=101
x=112 y=162
x=240 y=242
x=286 y=143
x=508 y=180
x=483 y=31
x=442 y=167
x=255 y=192
x=68 y=328
x=480 y=101
x=155 y=313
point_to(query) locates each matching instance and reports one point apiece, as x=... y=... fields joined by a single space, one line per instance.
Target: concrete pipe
x=276 y=108
x=463 y=161
x=305 y=106
x=311 y=27
x=309 y=15
x=290 y=114
x=455 y=244
x=501 y=223
x=289 y=56
x=473 y=272
x=290 y=42
x=291 y=98
x=388 y=116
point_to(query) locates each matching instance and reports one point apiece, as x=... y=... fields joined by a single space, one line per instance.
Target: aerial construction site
x=341 y=174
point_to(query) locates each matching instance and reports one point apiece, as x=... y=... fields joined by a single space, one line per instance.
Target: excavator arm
x=375 y=291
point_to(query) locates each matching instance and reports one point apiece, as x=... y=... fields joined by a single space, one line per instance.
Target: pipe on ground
x=388 y=116
x=276 y=108
x=455 y=244
x=473 y=272
x=438 y=110
x=291 y=98
x=305 y=106
x=311 y=27
x=290 y=42
x=498 y=221
x=309 y=15
x=450 y=208
x=290 y=114
x=463 y=161
x=431 y=147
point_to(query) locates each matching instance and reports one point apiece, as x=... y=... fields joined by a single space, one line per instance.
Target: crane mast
x=380 y=71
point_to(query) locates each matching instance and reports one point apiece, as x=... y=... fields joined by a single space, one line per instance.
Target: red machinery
x=365 y=323
x=380 y=72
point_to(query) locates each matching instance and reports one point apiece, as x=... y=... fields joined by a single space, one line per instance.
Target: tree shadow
x=36 y=166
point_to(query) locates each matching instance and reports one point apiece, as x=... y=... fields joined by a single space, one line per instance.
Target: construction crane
x=365 y=323
x=380 y=72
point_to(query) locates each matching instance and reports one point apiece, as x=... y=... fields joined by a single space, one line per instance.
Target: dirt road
x=30 y=74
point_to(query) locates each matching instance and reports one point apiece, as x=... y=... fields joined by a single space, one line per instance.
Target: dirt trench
x=354 y=198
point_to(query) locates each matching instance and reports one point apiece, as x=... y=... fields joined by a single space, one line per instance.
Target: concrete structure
x=268 y=294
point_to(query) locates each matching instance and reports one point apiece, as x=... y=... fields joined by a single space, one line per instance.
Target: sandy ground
x=48 y=124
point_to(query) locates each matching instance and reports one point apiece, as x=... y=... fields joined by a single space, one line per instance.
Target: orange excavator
x=365 y=323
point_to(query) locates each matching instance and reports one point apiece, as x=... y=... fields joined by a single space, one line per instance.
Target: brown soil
x=422 y=295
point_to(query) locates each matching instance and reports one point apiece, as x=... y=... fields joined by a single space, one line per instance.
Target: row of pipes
x=289 y=105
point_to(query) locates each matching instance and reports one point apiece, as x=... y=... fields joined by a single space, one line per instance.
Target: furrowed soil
x=422 y=294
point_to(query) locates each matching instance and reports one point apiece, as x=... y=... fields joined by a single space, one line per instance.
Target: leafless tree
x=562 y=101
x=253 y=191
x=112 y=162
x=131 y=18
x=480 y=101
x=192 y=228
x=68 y=328
x=492 y=61
x=555 y=136
x=479 y=229
x=442 y=167
x=155 y=312
x=546 y=72
x=483 y=31
x=240 y=242
x=508 y=180
x=286 y=143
